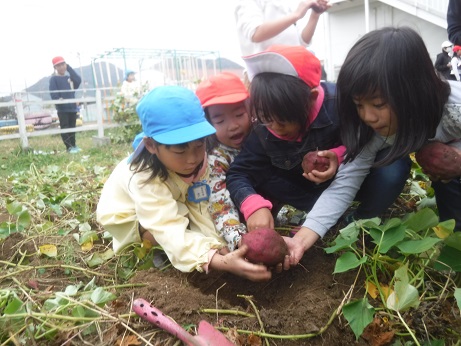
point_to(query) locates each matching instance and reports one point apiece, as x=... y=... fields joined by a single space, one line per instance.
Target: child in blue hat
x=159 y=193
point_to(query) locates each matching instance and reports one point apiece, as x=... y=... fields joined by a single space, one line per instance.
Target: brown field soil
x=293 y=307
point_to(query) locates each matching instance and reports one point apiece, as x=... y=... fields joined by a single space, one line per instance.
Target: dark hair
x=212 y=140
x=395 y=63
x=280 y=97
x=146 y=161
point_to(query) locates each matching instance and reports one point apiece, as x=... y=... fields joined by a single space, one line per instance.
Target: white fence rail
x=99 y=115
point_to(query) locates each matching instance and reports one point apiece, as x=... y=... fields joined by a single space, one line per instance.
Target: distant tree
x=7 y=112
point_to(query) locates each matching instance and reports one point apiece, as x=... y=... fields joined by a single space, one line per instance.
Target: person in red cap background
x=62 y=85
x=224 y=99
x=456 y=63
x=297 y=115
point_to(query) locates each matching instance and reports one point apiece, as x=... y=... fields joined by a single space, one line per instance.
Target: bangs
x=278 y=97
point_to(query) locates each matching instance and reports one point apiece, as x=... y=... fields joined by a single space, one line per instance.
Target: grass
x=50 y=150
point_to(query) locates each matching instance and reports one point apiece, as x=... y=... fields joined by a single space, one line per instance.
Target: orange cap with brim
x=224 y=88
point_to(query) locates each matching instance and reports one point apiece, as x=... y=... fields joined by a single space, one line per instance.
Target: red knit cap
x=456 y=48
x=295 y=61
x=223 y=88
x=57 y=60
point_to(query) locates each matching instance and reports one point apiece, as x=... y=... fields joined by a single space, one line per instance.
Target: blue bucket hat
x=171 y=115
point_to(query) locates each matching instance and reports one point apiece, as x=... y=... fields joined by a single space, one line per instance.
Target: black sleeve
x=248 y=169
x=440 y=64
x=454 y=21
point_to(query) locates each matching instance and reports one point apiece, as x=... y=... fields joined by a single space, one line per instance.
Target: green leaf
x=84 y=227
x=454 y=241
x=100 y=297
x=422 y=220
x=6 y=228
x=458 y=297
x=98 y=258
x=14 y=306
x=78 y=311
x=14 y=208
x=348 y=261
x=88 y=237
x=359 y=314
x=418 y=246
x=387 y=237
x=404 y=296
x=72 y=290
x=448 y=259
x=340 y=244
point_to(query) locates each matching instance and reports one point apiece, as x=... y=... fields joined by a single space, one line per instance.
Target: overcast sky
x=34 y=31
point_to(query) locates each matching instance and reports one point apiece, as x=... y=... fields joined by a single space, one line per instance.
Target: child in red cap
x=296 y=115
x=62 y=85
x=224 y=99
x=456 y=63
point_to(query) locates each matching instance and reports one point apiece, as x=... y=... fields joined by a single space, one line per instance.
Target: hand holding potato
x=235 y=262
x=320 y=166
x=261 y=218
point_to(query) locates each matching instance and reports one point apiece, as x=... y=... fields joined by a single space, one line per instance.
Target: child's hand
x=261 y=218
x=235 y=263
x=315 y=174
x=298 y=245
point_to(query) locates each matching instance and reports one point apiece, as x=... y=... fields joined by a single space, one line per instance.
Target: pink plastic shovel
x=207 y=334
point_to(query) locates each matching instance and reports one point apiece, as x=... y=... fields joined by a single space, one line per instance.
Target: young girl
x=224 y=99
x=389 y=97
x=296 y=115
x=160 y=192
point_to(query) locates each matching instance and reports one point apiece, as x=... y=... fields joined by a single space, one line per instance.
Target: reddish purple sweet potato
x=312 y=161
x=265 y=246
x=439 y=161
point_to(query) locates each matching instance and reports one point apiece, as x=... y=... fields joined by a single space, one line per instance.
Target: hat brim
x=268 y=62
x=226 y=99
x=185 y=134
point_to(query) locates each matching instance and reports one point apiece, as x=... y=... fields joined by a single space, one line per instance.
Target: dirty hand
x=261 y=218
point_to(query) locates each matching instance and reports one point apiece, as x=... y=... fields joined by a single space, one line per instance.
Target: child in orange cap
x=224 y=99
x=297 y=115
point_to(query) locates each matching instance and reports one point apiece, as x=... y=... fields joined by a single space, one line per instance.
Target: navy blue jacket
x=271 y=167
x=454 y=21
x=58 y=85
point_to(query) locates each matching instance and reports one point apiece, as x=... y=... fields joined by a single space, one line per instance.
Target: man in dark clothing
x=443 y=61
x=454 y=21
x=62 y=85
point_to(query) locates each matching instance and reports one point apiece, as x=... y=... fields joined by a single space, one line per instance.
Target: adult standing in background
x=443 y=61
x=62 y=85
x=454 y=21
x=262 y=23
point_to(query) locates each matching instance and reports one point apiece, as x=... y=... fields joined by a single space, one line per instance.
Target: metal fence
x=96 y=116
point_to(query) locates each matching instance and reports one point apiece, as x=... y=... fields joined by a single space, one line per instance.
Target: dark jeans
x=381 y=187
x=378 y=191
x=68 y=120
x=448 y=197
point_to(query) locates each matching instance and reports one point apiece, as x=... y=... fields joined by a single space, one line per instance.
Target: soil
x=297 y=307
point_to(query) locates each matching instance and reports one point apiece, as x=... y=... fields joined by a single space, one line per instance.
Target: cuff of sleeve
x=253 y=203
x=339 y=151
x=315 y=226
x=211 y=253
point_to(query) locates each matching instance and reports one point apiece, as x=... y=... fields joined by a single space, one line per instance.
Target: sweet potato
x=312 y=161
x=265 y=246
x=439 y=161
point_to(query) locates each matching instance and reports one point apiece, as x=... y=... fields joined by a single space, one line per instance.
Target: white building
x=347 y=20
